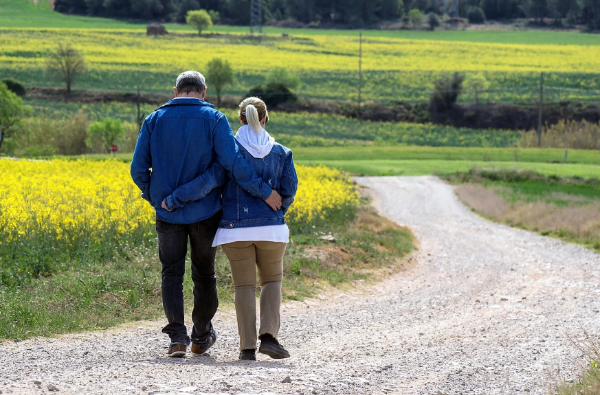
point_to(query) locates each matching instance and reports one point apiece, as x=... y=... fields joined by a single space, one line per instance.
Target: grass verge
x=589 y=381
x=566 y=208
x=100 y=295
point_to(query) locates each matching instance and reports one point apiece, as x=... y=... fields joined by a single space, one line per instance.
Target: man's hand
x=163 y=205
x=274 y=200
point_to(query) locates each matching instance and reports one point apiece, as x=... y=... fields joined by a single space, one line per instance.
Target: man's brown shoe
x=201 y=348
x=177 y=350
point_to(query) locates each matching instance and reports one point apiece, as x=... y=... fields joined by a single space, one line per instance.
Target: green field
x=303 y=129
x=23 y=13
x=396 y=65
x=419 y=161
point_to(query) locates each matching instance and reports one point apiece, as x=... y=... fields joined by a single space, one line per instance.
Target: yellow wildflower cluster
x=94 y=201
x=321 y=190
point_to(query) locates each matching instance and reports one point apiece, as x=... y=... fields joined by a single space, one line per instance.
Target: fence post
x=139 y=114
x=359 y=68
x=540 y=110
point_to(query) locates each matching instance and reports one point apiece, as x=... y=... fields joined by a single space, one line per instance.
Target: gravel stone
x=366 y=339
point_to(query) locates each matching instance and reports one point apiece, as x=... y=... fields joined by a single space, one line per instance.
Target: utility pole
x=540 y=110
x=256 y=17
x=359 y=68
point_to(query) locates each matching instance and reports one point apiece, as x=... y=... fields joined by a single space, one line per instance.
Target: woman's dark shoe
x=270 y=346
x=248 y=355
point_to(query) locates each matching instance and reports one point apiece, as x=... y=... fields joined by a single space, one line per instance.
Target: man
x=185 y=142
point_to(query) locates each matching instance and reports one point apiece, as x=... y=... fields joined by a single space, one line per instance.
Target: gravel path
x=487 y=310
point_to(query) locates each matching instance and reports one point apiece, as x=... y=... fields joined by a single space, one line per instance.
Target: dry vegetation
x=577 y=220
x=565 y=134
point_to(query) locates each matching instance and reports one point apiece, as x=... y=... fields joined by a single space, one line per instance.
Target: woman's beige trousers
x=246 y=259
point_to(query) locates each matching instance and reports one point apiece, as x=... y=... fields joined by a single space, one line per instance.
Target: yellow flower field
x=79 y=205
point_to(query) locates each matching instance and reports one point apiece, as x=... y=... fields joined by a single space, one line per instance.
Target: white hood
x=258 y=145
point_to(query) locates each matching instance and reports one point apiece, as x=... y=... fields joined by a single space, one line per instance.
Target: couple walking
x=213 y=189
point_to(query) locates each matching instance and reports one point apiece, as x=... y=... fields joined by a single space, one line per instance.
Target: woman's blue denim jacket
x=242 y=210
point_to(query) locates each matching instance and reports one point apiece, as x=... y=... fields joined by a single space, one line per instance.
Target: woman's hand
x=274 y=200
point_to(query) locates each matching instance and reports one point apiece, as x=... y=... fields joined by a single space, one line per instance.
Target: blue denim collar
x=187 y=101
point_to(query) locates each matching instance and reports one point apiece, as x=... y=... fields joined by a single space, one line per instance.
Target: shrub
x=273 y=94
x=199 y=19
x=432 y=20
x=105 y=133
x=445 y=93
x=280 y=75
x=415 y=16
x=46 y=135
x=12 y=110
x=476 y=15
x=15 y=87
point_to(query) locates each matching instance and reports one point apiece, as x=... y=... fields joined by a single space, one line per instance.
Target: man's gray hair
x=190 y=81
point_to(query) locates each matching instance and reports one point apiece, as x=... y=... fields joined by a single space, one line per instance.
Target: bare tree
x=67 y=64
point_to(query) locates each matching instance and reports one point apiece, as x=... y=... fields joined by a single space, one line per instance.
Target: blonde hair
x=252 y=111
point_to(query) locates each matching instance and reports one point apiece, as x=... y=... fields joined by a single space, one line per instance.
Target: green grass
x=24 y=13
x=99 y=294
x=417 y=161
x=413 y=153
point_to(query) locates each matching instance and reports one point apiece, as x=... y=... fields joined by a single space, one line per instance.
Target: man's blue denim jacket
x=241 y=209
x=187 y=143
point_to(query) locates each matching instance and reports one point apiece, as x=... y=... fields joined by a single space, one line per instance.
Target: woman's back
x=241 y=209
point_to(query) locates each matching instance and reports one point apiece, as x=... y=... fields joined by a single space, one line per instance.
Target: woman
x=253 y=236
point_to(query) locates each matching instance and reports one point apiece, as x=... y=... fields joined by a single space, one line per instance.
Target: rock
x=53 y=388
x=156 y=29
x=329 y=238
x=287 y=380
x=144 y=388
x=37 y=382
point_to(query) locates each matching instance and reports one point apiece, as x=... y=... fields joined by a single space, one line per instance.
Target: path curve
x=487 y=310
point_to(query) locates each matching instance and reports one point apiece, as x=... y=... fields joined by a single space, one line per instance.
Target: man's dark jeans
x=172 y=249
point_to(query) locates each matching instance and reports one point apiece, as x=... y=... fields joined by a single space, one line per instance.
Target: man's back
x=181 y=149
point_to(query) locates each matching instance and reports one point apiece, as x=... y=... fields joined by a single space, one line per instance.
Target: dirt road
x=486 y=311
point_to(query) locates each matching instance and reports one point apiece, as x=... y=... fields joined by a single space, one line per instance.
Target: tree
x=475 y=15
x=184 y=7
x=11 y=112
x=219 y=73
x=199 y=19
x=66 y=64
x=445 y=93
x=215 y=16
x=415 y=17
x=477 y=85
x=432 y=21
x=391 y=9
x=106 y=133
x=280 y=75
x=537 y=9
x=563 y=7
x=591 y=14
